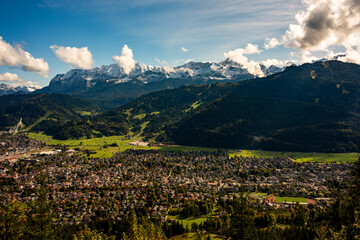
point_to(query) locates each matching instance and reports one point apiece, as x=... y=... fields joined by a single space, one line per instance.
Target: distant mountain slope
x=43 y=109
x=313 y=107
x=109 y=86
x=6 y=89
x=152 y=111
x=333 y=84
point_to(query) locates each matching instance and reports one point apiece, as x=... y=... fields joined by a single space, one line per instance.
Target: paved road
x=9 y=157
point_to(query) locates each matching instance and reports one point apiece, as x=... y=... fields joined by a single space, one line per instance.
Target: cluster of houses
x=84 y=188
x=17 y=144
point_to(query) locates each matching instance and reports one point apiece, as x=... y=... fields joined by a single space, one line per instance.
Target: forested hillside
x=39 y=111
x=313 y=107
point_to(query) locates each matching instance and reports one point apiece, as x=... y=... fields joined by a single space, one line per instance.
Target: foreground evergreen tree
x=88 y=234
x=41 y=213
x=242 y=222
x=355 y=189
x=34 y=220
x=344 y=214
x=146 y=230
x=12 y=220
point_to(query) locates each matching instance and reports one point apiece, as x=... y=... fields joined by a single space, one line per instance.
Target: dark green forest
x=42 y=108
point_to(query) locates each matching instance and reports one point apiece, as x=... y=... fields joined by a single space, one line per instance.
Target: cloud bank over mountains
x=78 y=57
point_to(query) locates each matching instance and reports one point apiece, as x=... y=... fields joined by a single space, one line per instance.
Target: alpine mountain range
x=78 y=81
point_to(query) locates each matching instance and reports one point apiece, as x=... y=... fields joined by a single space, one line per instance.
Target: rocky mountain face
x=6 y=89
x=78 y=80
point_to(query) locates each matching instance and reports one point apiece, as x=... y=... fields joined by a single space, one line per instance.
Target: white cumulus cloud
x=18 y=57
x=251 y=49
x=78 y=57
x=352 y=55
x=275 y=62
x=324 y=24
x=14 y=79
x=184 y=49
x=272 y=43
x=126 y=60
x=238 y=56
x=10 y=77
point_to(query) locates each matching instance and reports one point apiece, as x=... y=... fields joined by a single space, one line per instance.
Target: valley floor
x=106 y=147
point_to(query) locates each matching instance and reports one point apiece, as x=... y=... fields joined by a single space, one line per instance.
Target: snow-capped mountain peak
x=6 y=89
x=80 y=79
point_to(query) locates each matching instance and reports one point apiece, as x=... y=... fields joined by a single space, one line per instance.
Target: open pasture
x=107 y=146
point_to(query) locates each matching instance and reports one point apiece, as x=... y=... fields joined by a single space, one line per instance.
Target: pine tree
x=41 y=213
x=12 y=220
x=146 y=230
x=88 y=234
x=242 y=223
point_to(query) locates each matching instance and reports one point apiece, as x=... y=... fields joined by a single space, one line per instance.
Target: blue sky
x=153 y=29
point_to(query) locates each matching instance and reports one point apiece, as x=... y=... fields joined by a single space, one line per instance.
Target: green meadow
x=300 y=156
x=187 y=236
x=188 y=221
x=290 y=200
x=179 y=148
x=197 y=220
x=278 y=199
x=106 y=147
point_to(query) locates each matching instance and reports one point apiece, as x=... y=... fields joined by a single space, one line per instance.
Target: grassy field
x=192 y=236
x=325 y=157
x=279 y=199
x=97 y=144
x=102 y=146
x=300 y=157
x=85 y=113
x=188 y=221
x=290 y=200
x=140 y=116
x=257 y=195
x=193 y=106
x=198 y=220
x=186 y=148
